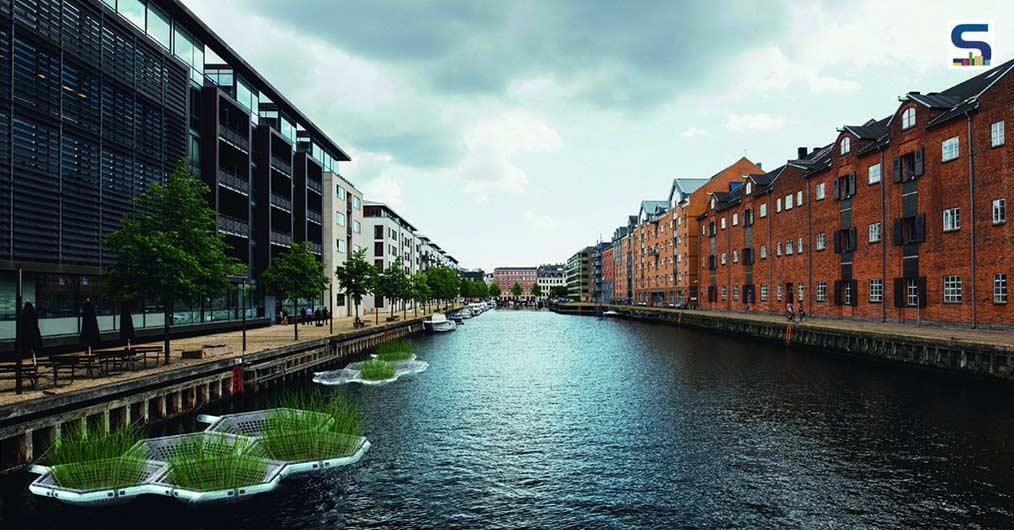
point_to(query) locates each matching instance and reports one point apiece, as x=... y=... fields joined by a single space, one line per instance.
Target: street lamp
x=241 y=281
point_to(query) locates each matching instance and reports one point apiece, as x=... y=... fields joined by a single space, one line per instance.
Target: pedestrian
x=802 y=314
x=318 y=317
x=788 y=311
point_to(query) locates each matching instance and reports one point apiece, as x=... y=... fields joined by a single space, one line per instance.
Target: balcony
x=280 y=238
x=281 y=164
x=315 y=248
x=232 y=226
x=233 y=137
x=233 y=181
x=280 y=202
x=314 y=216
x=315 y=186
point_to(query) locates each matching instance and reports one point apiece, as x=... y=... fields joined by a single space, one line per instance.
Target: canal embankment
x=30 y=423
x=982 y=353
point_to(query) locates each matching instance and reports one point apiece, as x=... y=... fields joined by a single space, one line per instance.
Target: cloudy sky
x=514 y=133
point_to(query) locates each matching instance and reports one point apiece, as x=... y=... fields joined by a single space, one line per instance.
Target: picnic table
x=108 y=360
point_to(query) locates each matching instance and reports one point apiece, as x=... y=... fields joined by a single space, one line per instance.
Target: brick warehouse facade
x=900 y=219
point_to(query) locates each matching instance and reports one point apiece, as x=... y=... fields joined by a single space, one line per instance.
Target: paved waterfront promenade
x=257 y=339
x=996 y=338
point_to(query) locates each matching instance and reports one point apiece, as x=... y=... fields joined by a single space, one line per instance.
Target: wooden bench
x=29 y=372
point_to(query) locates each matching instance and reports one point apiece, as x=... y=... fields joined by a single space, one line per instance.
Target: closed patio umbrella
x=126 y=324
x=89 y=325
x=27 y=337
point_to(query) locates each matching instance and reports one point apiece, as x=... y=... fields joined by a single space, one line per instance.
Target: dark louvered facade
x=100 y=98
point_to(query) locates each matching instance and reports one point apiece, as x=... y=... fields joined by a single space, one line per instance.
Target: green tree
x=536 y=290
x=295 y=274
x=494 y=290
x=444 y=283
x=516 y=290
x=392 y=284
x=481 y=289
x=356 y=278
x=558 y=291
x=420 y=290
x=169 y=249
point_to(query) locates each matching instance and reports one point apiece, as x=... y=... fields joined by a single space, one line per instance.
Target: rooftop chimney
x=760 y=165
x=800 y=153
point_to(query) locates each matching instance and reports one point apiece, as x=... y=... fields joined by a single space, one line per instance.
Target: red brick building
x=506 y=277
x=608 y=274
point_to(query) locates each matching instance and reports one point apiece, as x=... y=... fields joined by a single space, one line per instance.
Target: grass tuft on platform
x=376 y=370
x=313 y=425
x=211 y=462
x=395 y=350
x=88 y=459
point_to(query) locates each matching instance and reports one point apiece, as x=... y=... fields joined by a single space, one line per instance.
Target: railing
x=233 y=181
x=281 y=202
x=233 y=226
x=233 y=137
x=316 y=248
x=314 y=185
x=314 y=216
x=282 y=165
x=280 y=238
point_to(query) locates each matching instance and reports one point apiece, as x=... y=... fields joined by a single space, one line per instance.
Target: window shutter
x=855 y=293
x=920 y=283
x=896 y=170
x=899 y=292
x=918 y=166
x=852 y=184
x=837 y=241
x=898 y=235
x=834 y=189
x=852 y=239
x=837 y=292
x=920 y=229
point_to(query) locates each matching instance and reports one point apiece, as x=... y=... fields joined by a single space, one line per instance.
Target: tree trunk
x=167 y=310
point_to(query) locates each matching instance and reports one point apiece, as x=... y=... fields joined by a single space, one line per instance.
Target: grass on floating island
x=93 y=459
x=376 y=370
x=395 y=350
x=212 y=462
x=312 y=425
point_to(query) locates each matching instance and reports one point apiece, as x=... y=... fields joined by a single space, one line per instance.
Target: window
x=912 y=290
x=800 y=290
x=877 y=290
x=735 y=219
x=356 y=202
x=735 y=292
x=778 y=205
x=749 y=188
x=764 y=292
x=725 y=293
x=788 y=247
x=819 y=195
x=846 y=293
x=799 y=245
x=821 y=291
x=874 y=174
x=820 y=244
x=949 y=149
x=723 y=258
x=357 y=227
x=378 y=232
x=132 y=10
x=159 y=27
x=996 y=134
x=735 y=256
x=764 y=209
x=341 y=193
x=952 y=289
x=908 y=118
x=999 y=211
x=846 y=145
x=999 y=288
x=778 y=248
x=952 y=219
x=779 y=292
x=339 y=218
x=788 y=202
x=764 y=251
x=341 y=245
x=799 y=198
x=723 y=223
x=874 y=232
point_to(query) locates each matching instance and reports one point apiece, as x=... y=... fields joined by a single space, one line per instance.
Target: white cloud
x=386 y=189
x=833 y=85
x=692 y=132
x=489 y=166
x=754 y=122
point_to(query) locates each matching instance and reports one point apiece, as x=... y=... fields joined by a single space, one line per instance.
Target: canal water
x=532 y=419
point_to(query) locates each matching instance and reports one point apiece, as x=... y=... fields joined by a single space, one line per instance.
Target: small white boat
x=610 y=314
x=465 y=313
x=438 y=323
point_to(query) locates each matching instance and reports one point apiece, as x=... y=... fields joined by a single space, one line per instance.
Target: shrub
x=212 y=462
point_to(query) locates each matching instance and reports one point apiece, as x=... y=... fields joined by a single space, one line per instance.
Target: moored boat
x=438 y=323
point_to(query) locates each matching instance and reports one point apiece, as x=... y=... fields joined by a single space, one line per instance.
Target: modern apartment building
x=579 y=275
x=100 y=98
x=344 y=234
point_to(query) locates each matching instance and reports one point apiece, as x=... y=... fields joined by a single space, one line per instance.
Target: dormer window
x=908 y=118
x=712 y=203
x=749 y=188
x=846 y=145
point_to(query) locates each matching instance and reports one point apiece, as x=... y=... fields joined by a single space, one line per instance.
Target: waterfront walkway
x=1001 y=339
x=257 y=339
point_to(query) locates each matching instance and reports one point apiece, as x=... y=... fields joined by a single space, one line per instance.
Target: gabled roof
x=871 y=130
x=683 y=187
x=817 y=160
x=727 y=199
x=763 y=181
x=962 y=97
x=653 y=207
